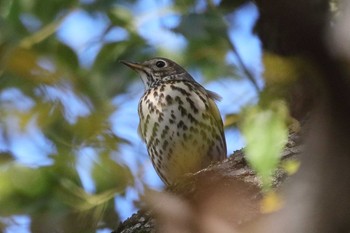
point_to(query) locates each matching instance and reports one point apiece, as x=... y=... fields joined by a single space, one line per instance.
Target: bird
x=179 y=120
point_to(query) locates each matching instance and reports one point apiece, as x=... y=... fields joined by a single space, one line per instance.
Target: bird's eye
x=160 y=64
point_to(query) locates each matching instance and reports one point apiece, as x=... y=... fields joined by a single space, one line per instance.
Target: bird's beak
x=133 y=65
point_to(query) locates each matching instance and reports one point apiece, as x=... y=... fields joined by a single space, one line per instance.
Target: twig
x=242 y=65
x=43 y=33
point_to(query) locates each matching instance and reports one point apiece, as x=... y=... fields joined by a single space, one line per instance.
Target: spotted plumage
x=179 y=120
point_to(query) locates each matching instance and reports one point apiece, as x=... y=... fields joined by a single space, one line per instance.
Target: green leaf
x=109 y=54
x=66 y=55
x=120 y=16
x=184 y=5
x=208 y=45
x=109 y=175
x=30 y=182
x=228 y=6
x=207 y=25
x=265 y=131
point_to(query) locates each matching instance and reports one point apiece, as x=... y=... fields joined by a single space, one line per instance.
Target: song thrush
x=179 y=120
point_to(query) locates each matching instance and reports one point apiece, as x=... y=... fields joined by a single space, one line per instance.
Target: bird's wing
x=213 y=95
x=139 y=131
x=213 y=108
x=217 y=117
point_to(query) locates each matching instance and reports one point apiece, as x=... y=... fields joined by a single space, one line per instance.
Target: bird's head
x=157 y=69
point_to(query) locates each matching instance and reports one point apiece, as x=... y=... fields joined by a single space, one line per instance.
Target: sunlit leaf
x=291 y=166
x=6 y=187
x=294 y=125
x=23 y=189
x=271 y=202
x=265 y=131
x=28 y=181
x=286 y=70
x=231 y=120
x=280 y=69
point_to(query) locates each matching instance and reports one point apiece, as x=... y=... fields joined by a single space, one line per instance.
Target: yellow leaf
x=271 y=202
x=24 y=63
x=294 y=125
x=286 y=69
x=231 y=120
x=291 y=166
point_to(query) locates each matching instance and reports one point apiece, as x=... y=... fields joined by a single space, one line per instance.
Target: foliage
x=50 y=97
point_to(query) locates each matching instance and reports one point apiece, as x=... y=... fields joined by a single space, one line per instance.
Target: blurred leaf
x=6 y=187
x=112 y=77
x=12 y=17
x=231 y=5
x=280 y=69
x=184 y=5
x=121 y=16
x=120 y=176
x=101 y=5
x=271 y=202
x=265 y=131
x=5 y=7
x=79 y=199
x=207 y=26
x=231 y=119
x=51 y=8
x=109 y=54
x=42 y=34
x=94 y=208
x=85 y=131
x=6 y=157
x=207 y=45
x=31 y=183
x=291 y=166
x=286 y=69
x=23 y=189
x=66 y=55
x=24 y=63
x=46 y=113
